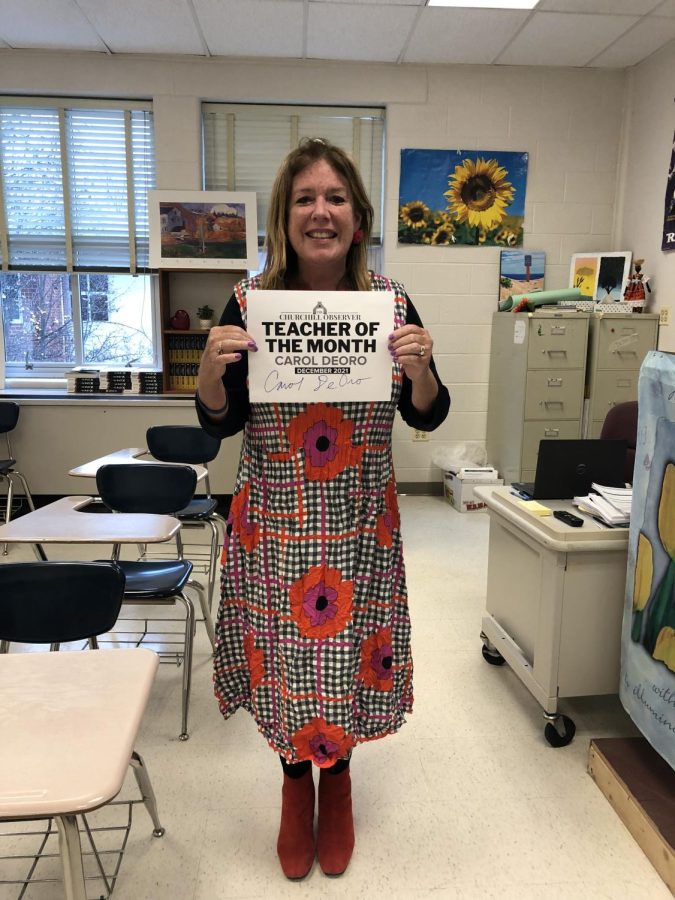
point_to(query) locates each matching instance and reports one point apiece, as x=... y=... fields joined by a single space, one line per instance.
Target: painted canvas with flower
x=647 y=686
x=459 y=197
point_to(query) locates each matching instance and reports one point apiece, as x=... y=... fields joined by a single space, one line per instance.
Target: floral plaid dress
x=313 y=631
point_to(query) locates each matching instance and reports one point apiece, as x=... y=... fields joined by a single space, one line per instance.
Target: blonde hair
x=281 y=262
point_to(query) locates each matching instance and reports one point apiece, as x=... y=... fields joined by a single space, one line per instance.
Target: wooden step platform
x=640 y=785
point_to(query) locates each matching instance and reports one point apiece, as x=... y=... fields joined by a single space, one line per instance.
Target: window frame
x=290 y=114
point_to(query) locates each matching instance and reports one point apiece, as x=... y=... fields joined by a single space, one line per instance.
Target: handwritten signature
x=275 y=384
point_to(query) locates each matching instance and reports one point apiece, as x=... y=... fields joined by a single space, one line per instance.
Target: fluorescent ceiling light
x=486 y=4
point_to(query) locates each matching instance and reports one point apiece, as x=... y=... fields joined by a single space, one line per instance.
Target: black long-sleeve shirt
x=235 y=383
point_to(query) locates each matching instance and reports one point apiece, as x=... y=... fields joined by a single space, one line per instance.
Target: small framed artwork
x=521 y=272
x=203 y=230
x=613 y=273
x=602 y=277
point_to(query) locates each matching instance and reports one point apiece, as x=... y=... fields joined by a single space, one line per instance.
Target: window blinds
x=74 y=183
x=245 y=144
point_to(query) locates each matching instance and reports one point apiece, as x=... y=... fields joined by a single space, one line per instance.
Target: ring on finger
x=220 y=349
x=422 y=350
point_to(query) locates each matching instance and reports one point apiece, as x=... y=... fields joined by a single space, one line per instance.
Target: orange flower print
x=255 y=660
x=321 y=602
x=326 y=438
x=324 y=744
x=390 y=519
x=376 y=661
x=248 y=532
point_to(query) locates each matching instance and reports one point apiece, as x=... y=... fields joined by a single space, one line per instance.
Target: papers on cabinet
x=609 y=504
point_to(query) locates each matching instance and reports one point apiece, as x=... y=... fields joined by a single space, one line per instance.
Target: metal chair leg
x=4 y=646
x=206 y=612
x=71 y=857
x=93 y=642
x=27 y=493
x=145 y=787
x=8 y=511
x=187 y=662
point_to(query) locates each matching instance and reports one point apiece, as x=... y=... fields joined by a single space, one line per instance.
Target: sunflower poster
x=647 y=686
x=453 y=197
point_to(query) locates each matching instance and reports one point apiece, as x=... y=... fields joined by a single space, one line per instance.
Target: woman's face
x=321 y=219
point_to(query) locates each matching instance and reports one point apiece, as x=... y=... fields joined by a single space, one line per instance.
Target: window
x=74 y=233
x=244 y=145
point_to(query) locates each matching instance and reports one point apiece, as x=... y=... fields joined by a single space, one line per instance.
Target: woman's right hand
x=224 y=345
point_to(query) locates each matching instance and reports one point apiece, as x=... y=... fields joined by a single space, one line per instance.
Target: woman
x=313 y=625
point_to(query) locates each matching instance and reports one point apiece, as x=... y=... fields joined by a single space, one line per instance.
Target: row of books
x=183 y=376
x=100 y=381
x=611 y=505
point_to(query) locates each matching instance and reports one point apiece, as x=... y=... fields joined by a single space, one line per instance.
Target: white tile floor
x=467 y=801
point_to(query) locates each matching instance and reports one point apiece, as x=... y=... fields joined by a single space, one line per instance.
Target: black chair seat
x=54 y=602
x=6 y=464
x=154 y=580
x=199 y=508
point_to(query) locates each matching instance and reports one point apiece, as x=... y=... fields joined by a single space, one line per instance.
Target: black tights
x=297 y=770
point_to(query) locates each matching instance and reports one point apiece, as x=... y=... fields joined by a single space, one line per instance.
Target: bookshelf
x=182 y=349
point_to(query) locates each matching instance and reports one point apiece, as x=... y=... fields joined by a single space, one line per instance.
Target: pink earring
x=358 y=236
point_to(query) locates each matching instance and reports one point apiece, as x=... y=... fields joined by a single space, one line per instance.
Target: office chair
x=9 y=416
x=192 y=445
x=621 y=422
x=58 y=602
x=163 y=490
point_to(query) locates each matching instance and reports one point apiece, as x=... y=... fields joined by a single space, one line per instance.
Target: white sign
x=319 y=346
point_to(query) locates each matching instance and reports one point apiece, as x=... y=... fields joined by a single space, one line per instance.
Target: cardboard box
x=459 y=485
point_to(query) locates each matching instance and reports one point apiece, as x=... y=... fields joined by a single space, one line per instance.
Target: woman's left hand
x=411 y=346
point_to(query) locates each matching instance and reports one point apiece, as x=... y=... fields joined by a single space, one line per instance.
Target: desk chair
x=9 y=416
x=53 y=603
x=192 y=445
x=162 y=490
x=621 y=422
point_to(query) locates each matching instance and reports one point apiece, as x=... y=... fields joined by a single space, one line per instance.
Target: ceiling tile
x=46 y=24
x=377 y=2
x=649 y=35
x=559 y=39
x=154 y=26
x=252 y=27
x=454 y=35
x=342 y=31
x=616 y=7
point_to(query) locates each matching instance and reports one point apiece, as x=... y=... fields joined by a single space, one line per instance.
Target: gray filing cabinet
x=618 y=343
x=536 y=390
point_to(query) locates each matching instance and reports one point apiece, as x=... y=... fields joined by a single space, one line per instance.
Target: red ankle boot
x=335 y=841
x=295 y=845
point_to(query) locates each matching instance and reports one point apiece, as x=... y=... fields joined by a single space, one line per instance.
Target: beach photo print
x=520 y=272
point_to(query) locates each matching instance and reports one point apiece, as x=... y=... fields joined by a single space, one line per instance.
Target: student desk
x=66 y=521
x=69 y=725
x=555 y=597
x=130 y=456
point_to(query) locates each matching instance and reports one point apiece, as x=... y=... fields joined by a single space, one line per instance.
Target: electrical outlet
x=420 y=435
x=664 y=315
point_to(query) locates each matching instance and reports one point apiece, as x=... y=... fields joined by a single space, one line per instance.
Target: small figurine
x=637 y=287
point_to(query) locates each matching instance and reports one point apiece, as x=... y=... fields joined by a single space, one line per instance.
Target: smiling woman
x=321 y=591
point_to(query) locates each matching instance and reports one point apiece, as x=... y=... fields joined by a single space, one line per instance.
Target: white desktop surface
x=129 y=456
x=69 y=721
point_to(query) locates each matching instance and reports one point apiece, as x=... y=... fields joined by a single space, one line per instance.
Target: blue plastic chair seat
x=199 y=508
x=154 y=580
x=6 y=464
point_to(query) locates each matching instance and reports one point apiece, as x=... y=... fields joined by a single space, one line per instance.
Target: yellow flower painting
x=459 y=197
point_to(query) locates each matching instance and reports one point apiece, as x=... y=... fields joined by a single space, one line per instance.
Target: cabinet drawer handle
x=551 y=432
x=560 y=403
x=564 y=352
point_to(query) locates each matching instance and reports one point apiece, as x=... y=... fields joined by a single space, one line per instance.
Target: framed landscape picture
x=602 y=277
x=521 y=272
x=203 y=230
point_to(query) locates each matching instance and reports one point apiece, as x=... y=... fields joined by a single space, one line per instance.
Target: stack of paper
x=609 y=504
